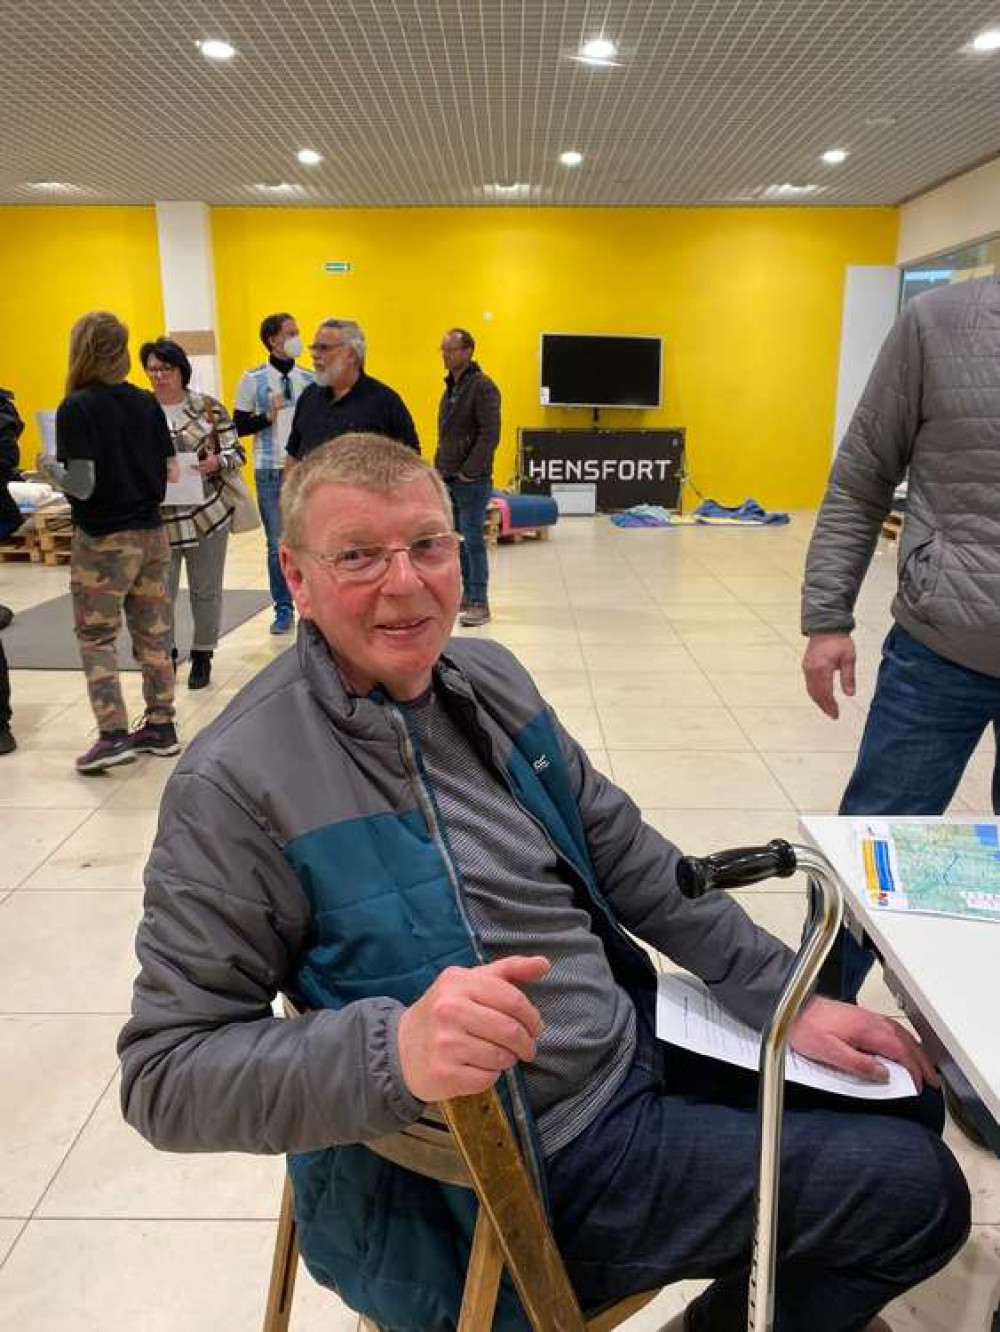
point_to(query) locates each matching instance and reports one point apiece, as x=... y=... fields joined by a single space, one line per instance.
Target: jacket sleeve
x=486 y=424
x=636 y=871
x=232 y=454
x=402 y=425
x=205 y=1064
x=870 y=463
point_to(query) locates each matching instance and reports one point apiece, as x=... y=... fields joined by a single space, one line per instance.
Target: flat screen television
x=598 y=370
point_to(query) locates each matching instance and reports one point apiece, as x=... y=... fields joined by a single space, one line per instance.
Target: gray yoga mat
x=42 y=638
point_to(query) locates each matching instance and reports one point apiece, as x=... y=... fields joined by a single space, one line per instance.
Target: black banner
x=626 y=466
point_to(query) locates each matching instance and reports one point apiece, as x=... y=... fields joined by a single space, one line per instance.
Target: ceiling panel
x=445 y=102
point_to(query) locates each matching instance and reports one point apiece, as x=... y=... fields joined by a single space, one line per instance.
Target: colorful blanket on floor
x=710 y=513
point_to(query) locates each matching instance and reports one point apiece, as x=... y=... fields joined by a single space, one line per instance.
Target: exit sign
x=338 y=265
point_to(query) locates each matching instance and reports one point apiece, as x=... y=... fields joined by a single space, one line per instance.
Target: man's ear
x=295 y=579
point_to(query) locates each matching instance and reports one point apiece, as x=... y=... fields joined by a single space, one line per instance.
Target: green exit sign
x=338 y=265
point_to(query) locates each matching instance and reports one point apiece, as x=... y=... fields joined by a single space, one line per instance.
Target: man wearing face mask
x=265 y=403
x=344 y=399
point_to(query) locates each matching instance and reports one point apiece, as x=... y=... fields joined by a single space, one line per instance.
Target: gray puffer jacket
x=931 y=409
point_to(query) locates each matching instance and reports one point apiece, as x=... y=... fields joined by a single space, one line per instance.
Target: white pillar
x=187 y=272
x=871 y=299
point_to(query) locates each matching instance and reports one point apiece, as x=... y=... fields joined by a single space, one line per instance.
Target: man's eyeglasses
x=315 y=347
x=369 y=564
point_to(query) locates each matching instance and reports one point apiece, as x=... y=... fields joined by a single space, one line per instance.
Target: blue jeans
x=926 y=718
x=660 y=1188
x=468 y=501
x=269 y=503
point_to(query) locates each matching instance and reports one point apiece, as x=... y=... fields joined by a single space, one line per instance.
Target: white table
x=944 y=972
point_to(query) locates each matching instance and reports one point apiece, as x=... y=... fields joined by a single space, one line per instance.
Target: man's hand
x=209 y=465
x=469 y=1027
x=274 y=406
x=848 y=1037
x=824 y=657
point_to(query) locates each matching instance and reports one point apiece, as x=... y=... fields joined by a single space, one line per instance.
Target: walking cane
x=736 y=869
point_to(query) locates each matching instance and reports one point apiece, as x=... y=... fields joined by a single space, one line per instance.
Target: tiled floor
x=672 y=655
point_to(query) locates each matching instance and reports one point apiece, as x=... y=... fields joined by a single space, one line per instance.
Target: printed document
x=189 y=490
x=687 y=1015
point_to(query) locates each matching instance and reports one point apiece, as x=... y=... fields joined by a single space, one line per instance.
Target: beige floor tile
x=693 y=617
x=802 y=729
x=565 y=689
x=157 y=1276
x=146 y=781
x=583 y=724
x=764 y=659
x=815 y=782
x=52 y=1072
x=748 y=689
x=68 y=952
x=641 y=689
x=959 y=1299
x=638 y=657
x=29 y=717
x=48 y=688
x=108 y=851
x=982 y=1170
x=9 y=1231
x=29 y=836
x=550 y=657
x=37 y=779
x=699 y=832
x=669 y=778
x=685 y=728
x=112 y=1172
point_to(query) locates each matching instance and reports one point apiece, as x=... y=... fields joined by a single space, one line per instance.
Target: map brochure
x=940 y=869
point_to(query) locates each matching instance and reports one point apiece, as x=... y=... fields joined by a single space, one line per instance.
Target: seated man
x=428 y=862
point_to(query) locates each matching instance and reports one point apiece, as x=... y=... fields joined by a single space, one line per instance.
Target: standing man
x=468 y=435
x=344 y=400
x=265 y=401
x=931 y=410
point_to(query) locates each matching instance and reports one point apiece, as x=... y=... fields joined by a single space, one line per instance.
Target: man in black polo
x=343 y=399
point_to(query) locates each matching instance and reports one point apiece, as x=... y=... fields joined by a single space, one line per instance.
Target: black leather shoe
x=6 y=615
x=7 y=742
x=201 y=669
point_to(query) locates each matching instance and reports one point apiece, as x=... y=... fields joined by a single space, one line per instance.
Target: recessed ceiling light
x=309 y=156
x=571 y=157
x=57 y=186
x=598 y=48
x=274 y=187
x=987 y=41
x=508 y=190
x=215 y=49
x=880 y=122
x=834 y=156
x=788 y=190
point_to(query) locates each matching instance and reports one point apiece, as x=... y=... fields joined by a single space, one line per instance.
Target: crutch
x=736 y=869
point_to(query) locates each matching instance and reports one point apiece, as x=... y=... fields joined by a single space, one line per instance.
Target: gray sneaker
x=474 y=615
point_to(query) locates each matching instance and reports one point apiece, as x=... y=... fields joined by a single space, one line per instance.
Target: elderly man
x=429 y=863
x=344 y=400
x=468 y=435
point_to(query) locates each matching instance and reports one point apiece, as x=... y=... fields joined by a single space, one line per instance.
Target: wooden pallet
x=46 y=538
x=527 y=533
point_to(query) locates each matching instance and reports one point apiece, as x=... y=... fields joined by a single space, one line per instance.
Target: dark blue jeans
x=269 y=503
x=468 y=501
x=660 y=1188
x=926 y=718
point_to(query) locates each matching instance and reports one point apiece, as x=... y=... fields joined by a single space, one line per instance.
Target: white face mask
x=293 y=347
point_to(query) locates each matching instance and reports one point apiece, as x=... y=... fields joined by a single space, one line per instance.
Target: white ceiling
x=433 y=102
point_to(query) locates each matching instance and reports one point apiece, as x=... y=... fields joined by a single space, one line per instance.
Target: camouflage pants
x=126 y=570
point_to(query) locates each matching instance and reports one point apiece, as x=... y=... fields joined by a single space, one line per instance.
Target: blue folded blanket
x=747 y=512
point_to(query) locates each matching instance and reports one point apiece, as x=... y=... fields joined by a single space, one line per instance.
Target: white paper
x=189 y=491
x=688 y=1016
x=282 y=427
x=47 y=429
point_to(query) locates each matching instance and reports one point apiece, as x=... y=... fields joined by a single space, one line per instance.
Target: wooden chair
x=469 y=1142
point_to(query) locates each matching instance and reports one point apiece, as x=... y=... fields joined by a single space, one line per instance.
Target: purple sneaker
x=107 y=751
x=155 y=738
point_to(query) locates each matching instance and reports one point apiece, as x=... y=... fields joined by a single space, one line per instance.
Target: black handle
x=698 y=875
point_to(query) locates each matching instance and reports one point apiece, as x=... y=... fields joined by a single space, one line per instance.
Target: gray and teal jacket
x=299 y=851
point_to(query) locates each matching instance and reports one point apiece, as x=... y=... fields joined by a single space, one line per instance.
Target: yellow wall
x=55 y=264
x=748 y=302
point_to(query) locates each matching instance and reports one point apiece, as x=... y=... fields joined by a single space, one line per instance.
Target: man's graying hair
x=354 y=335
x=370 y=462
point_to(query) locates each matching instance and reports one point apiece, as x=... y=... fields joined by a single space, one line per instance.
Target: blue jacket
x=299 y=850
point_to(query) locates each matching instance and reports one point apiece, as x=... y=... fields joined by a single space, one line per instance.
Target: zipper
x=429 y=810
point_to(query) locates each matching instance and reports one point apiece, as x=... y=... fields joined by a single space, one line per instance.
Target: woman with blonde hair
x=112 y=440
